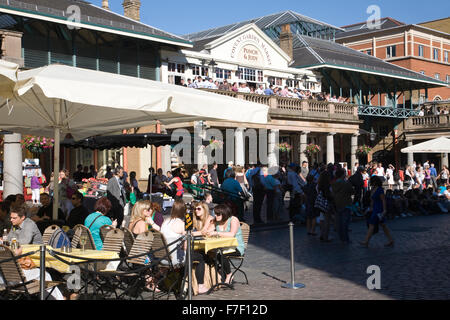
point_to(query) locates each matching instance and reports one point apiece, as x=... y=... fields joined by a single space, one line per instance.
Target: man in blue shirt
x=270 y=184
x=269 y=91
x=433 y=174
x=233 y=190
x=296 y=192
x=230 y=167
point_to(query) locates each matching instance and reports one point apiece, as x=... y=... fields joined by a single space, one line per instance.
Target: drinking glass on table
x=83 y=240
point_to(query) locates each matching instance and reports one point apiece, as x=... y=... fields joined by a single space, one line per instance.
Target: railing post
x=292 y=284
x=42 y=272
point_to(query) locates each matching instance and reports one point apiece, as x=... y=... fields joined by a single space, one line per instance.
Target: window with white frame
x=437 y=76
x=249 y=74
x=435 y=54
x=176 y=67
x=223 y=73
x=448 y=78
x=420 y=50
x=275 y=81
x=199 y=71
x=446 y=56
x=391 y=51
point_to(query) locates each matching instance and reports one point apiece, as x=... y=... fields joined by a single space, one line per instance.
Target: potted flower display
x=311 y=149
x=363 y=151
x=284 y=147
x=37 y=144
x=215 y=144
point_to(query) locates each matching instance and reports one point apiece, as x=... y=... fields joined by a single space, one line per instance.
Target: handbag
x=322 y=203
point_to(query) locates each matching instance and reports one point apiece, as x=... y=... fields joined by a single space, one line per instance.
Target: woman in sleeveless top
x=443 y=176
x=378 y=206
x=145 y=216
x=173 y=229
x=228 y=226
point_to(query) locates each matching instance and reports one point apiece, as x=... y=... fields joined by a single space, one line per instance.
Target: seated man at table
x=23 y=229
x=44 y=216
x=79 y=213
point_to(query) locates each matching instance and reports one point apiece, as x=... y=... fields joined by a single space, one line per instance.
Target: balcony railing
x=281 y=107
x=434 y=123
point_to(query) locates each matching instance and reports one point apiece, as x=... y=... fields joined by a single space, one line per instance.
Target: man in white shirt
x=260 y=89
x=380 y=172
x=210 y=84
x=244 y=88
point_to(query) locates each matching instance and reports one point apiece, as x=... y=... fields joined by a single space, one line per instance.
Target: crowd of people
x=433 y=111
x=244 y=87
x=324 y=195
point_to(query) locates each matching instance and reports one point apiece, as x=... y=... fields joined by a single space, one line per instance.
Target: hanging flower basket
x=37 y=144
x=284 y=147
x=363 y=151
x=312 y=149
x=215 y=144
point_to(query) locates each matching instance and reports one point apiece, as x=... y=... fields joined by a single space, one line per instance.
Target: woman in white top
x=390 y=176
x=420 y=176
x=173 y=229
x=444 y=175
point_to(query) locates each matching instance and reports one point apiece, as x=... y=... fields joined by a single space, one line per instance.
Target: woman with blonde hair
x=203 y=222
x=143 y=215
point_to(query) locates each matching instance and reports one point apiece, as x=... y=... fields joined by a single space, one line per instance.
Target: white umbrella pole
x=57 y=109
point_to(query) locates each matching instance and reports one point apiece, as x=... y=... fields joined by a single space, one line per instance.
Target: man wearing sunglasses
x=79 y=213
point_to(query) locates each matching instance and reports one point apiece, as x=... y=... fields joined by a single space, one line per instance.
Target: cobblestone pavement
x=416 y=268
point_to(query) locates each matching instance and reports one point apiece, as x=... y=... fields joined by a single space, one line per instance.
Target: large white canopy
x=94 y=102
x=439 y=145
x=59 y=99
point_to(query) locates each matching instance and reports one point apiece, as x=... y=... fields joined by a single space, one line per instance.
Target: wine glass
x=83 y=240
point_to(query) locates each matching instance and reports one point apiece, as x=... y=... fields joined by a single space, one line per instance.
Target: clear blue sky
x=183 y=17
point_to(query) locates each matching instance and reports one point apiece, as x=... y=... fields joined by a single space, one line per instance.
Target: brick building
x=423 y=48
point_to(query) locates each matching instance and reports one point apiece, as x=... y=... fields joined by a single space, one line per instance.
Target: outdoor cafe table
x=218 y=245
x=52 y=262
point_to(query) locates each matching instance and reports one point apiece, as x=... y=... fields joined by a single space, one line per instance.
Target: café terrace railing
x=281 y=107
x=434 y=122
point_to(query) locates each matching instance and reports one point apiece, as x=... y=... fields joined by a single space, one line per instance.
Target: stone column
x=273 y=151
x=444 y=160
x=239 y=147
x=200 y=134
x=166 y=163
x=410 y=155
x=353 y=148
x=12 y=165
x=303 y=144
x=330 y=147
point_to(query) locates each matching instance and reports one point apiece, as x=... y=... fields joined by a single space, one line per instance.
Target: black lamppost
x=305 y=80
x=212 y=64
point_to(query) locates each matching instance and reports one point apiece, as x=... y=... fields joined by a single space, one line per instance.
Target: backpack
x=59 y=239
x=396 y=176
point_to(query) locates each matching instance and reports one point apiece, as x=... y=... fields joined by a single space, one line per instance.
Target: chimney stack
x=286 y=40
x=132 y=9
x=105 y=4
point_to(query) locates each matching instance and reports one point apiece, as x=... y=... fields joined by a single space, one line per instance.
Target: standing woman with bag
x=378 y=207
x=324 y=203
x=35 y=188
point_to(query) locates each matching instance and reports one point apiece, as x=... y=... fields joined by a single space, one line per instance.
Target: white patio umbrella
x=59 y=99
x=438 y=145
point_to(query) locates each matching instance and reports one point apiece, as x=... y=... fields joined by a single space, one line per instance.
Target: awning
x=439 y=145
